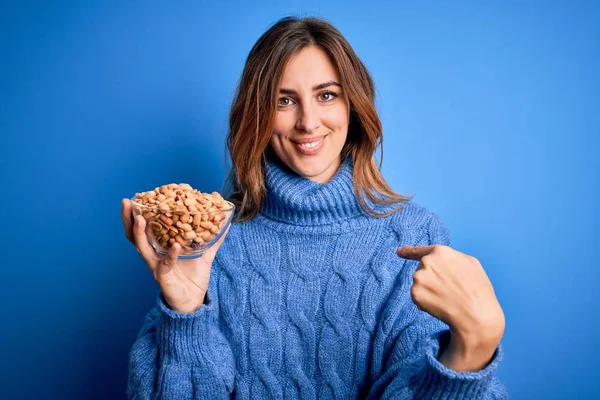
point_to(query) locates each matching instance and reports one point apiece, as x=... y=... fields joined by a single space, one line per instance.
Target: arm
x=419 y=345
x=413 y=369
x=181 y=356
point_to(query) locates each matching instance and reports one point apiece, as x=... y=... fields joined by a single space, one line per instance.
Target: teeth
x=310 y=145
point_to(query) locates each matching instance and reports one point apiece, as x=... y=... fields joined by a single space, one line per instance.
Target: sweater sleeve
x=181 y=356
x=412 y=369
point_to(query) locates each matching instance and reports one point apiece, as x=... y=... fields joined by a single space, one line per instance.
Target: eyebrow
x=318 y=87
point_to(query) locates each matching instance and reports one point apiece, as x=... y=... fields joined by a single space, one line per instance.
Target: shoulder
x=412 y=216
x=417 y=221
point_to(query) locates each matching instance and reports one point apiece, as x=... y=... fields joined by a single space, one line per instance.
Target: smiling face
x=311 y=122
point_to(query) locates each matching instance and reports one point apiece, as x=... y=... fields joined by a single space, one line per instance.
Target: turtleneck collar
x=296 y=200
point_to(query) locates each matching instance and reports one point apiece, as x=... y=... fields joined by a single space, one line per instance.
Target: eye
x=328 y=96
x=284 y=102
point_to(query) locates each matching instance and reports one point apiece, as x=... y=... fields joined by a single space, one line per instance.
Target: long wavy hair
x=252 y=113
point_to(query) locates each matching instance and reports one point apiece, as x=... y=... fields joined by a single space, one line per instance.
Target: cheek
x=337 y=121
x=284 y=122
x=280 y=133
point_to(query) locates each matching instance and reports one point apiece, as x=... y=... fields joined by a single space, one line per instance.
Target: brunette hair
x=254 y=106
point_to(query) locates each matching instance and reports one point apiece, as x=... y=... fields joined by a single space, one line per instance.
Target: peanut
x=197 y=220
x=180 y=210
x=207 y=236
x=185 y=218
x=179 y=213
x=206 y=225
x=166 y=220
x=189 y=235
x=181 y=241
x=149 y=215
x=155 y=226
x=219 y=217
x=189 y=202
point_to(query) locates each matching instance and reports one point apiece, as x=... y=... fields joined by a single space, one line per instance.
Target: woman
x=329 y=284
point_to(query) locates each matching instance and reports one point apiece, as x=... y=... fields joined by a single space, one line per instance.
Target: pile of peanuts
x=179 y=213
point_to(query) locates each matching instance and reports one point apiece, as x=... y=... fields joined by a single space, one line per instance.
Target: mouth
x=309 y=146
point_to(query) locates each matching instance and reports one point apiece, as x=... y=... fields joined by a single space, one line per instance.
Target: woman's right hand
x=183 y=282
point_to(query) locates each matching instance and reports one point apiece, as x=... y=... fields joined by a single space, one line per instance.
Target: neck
x=326 y=175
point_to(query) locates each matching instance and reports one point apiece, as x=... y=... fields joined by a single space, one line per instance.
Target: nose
x=308 y=120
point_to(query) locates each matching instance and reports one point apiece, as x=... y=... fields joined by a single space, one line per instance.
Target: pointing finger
x=414 y=252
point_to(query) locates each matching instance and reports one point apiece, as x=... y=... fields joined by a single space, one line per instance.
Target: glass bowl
x=195 y=231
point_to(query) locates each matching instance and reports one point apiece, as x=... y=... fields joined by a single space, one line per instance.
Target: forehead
x=311 y=66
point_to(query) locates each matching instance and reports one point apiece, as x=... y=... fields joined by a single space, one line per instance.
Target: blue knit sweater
x=307 y=300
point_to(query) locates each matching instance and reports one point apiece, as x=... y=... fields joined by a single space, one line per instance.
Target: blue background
x=491 y=116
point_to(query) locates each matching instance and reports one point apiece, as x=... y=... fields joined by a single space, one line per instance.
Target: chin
x=311 y=169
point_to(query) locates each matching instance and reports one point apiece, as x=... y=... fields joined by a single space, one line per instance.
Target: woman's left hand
x=453 y=287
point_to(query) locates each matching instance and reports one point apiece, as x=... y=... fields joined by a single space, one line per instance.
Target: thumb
x=168 y=262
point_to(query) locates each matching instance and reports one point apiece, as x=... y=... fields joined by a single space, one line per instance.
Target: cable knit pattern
x=308 y=300
x=302 y=289
x=231 y=277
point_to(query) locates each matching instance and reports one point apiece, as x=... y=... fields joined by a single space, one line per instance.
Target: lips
x=309 y=146
x=308 y=140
